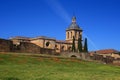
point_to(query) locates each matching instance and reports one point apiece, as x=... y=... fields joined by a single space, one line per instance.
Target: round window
x=47 y=44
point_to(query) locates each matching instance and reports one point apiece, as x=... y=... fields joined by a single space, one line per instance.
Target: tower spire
x=73 y=19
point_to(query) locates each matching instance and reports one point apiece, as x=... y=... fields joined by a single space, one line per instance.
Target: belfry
x=73 y=30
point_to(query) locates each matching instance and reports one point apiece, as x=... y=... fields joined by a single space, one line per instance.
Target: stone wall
x=47 y=51
x=71 y=55
x=116 y=61
x=23 y=47
x=107 y=59
x=26 y=47
x=5 y=45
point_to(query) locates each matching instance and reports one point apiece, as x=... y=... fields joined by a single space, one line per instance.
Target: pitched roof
x=44 y=37
x=107 y=51
x=20 y=37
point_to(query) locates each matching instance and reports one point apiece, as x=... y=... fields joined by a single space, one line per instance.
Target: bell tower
x=73 y=30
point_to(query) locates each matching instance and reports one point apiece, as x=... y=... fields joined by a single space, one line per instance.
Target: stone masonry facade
x=51 y=43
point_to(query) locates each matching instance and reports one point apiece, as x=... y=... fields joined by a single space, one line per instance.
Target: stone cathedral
x=51 y=43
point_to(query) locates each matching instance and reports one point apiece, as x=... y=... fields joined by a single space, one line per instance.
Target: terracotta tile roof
x=107 y=51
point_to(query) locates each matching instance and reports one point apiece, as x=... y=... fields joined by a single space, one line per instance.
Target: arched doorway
x=70 y=48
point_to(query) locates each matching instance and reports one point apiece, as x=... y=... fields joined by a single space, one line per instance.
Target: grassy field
x=34 y=67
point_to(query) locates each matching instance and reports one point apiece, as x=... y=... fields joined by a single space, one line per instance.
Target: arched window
x=62 y=47
x=75 y=34
x=68 y=35
x=79 y=33
x=56 y=47
x=71 y=34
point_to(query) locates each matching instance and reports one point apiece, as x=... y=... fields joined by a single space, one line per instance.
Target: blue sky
x=99 y=19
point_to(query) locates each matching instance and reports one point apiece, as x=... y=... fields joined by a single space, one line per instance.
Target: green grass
x=28 y=67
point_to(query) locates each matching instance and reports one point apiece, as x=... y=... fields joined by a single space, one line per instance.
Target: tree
x=73 y=44
x=80 y=44
x=85 y=46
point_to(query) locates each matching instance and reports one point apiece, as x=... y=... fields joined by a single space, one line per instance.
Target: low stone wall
x=26 y=47
x=47 y=51
x=83 y=56
x=23 y=47
x=107 y=59
x=5 y=45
